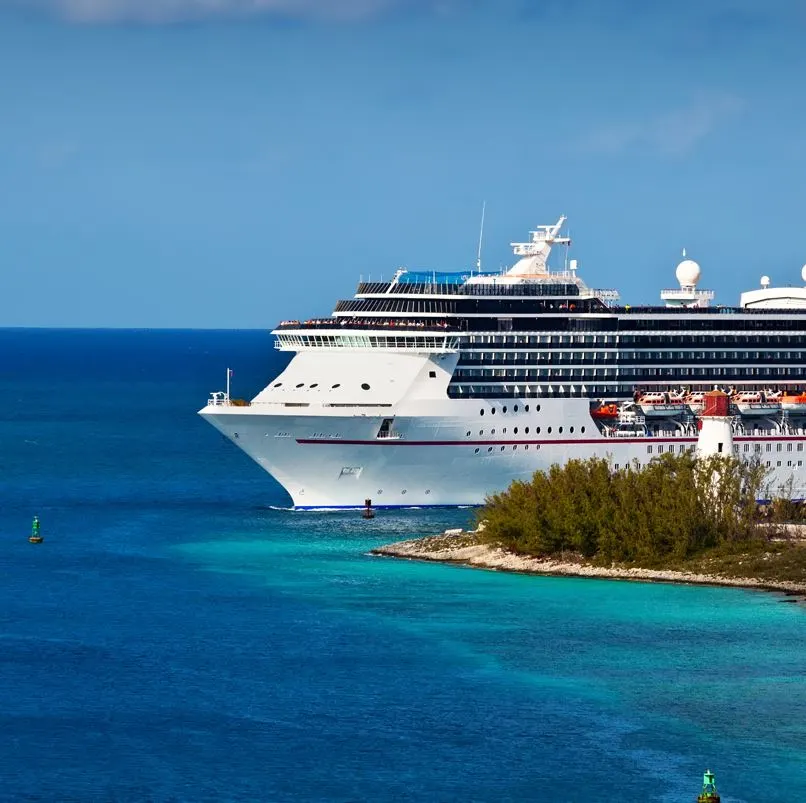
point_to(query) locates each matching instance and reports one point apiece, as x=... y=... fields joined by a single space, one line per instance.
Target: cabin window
x=432 y=374
x=364 y=386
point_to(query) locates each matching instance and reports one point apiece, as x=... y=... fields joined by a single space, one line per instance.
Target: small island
x=677 y=519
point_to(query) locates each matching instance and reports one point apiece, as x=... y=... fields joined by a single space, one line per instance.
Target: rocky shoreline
x=466 y=548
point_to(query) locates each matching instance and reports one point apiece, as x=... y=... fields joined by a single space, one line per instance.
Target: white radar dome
x=688 y=272
x=803 y=273
x=765 y=281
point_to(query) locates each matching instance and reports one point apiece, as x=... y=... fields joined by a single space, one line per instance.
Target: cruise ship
x=437 y=389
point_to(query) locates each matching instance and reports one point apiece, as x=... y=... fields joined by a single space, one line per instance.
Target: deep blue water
x=177 y=638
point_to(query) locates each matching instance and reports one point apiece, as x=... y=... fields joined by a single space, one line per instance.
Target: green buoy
x=709 y=793
x=35 y=537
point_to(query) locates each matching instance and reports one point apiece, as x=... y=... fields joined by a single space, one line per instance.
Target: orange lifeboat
x=793 y=403
x=605 y=411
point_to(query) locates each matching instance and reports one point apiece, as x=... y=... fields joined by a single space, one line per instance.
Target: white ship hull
x=327 y=454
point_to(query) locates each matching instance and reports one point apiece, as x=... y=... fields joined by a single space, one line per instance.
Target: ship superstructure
x=438 y=388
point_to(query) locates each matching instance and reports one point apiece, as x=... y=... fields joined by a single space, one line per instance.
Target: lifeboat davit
x=605 y=411
x=661 y=405
x=757 y=402
x=794 y=403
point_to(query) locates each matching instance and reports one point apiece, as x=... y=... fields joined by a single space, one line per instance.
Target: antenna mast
x=481 y=237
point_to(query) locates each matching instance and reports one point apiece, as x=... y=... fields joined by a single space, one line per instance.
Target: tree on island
x=672 y=508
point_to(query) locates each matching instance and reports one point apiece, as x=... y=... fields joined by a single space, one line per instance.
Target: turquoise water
x=179 y=638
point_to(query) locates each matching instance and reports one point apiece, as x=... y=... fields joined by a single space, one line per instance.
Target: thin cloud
x=101 y=12
x=675 y=132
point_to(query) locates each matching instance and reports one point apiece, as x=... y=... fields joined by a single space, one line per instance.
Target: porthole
x=504 y=409
x=560 y=430
x=427 y=491
x=300 y=384
x=571 y=430
x=489 y=448
x=503 y=447
x=526 y=408
x=537 y=430
x=549 y=430
x=515 y=430
x=582 y=430
x=403 y=492
x=514 y=448
x=526 y=430
x=504 y=430
x=235 y=435
x=364 y=386
x=492 y=411
x=526 y=447
x=468 y=433
x=337 y=385
x=380 y=491
x=515 y=409
x=277 y=384
x=538 y=408
x=492 y=432
x=475 y=451
x=481 y=432
x=481 y=412
x=315 y=385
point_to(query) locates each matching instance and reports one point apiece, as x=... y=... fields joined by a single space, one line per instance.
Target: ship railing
x=220 y=398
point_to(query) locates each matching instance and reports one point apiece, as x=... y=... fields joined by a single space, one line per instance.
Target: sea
x=181 y=635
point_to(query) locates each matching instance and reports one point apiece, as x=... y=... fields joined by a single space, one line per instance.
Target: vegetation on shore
x=670 y=513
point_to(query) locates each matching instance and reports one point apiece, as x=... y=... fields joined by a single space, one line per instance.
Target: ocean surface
x=180 y=636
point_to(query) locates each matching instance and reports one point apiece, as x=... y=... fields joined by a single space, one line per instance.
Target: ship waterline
x=439 y=389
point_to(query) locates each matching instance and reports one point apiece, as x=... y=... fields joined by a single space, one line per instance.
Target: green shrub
x=672 y=508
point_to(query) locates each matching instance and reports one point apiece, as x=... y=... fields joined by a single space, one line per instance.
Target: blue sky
x=228 y=163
